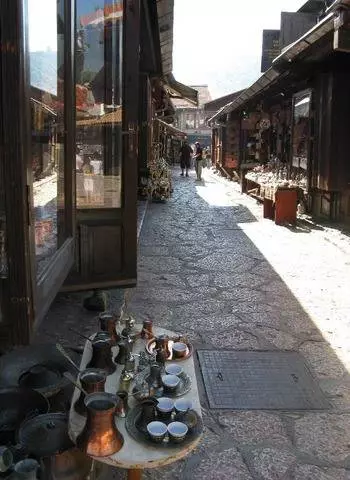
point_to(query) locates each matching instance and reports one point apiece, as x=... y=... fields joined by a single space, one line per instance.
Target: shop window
x=46 y=51
x=99 y=103
x=301 y=131
x=190 y=121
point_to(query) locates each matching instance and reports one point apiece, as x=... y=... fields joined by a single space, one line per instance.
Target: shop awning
x=176 y=89
x=165 y=10
x=172 y=130
x=114 y=117
x=280 y=66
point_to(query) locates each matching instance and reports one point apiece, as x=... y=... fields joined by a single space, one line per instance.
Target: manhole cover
x=259 y=380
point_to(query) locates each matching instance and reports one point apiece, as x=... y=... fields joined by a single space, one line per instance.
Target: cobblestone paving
x=211 y=266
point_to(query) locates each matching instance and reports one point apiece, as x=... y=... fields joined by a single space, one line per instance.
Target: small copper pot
x=147 y=330
x=100 y=437
x=92 y=380
x=123 y=353
x=108 y=324
x=102 y=353
x=162 y=343
x=122 y=405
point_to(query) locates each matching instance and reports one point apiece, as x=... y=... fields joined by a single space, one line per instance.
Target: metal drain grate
x=259 y=380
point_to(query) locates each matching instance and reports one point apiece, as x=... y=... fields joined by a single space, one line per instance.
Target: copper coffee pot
x=162 y=343
x=100 y=437
x=108 y=324
x=123 y=353
x=122 y=405
x=102 y=353
x=148 y=414
x=129 y=330
x=147 y=330
x=92 y=380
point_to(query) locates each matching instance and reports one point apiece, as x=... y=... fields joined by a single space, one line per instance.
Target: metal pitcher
x=100 y=437
x=102 y=353
x=92 y=380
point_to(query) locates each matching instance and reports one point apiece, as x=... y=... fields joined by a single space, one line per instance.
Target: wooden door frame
x=131 y=59
x=18 y=306
x=25 y=298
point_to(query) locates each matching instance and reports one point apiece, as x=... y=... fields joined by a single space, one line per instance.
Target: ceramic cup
x=157 y=431
x=165 y=407
x=173 y=369
x=6 y=458
x=179 y=349
x=27 y=469
x=170 y=382
x=177 y=431
x=182 y=405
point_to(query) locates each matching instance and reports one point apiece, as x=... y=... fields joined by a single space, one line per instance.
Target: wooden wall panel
x=101 y=250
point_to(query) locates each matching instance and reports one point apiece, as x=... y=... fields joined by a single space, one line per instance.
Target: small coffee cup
x=177 y=431
x=157 y=431
x=179 y=349
x=182 y=405
x=173 y=369
x=170 y=382
x=6 y=458
x=165 y=407
x=26 y=469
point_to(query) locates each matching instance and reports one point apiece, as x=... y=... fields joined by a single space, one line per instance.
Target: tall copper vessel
x=100 y=437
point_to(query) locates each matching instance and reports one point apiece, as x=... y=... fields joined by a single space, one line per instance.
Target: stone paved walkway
x=210 y=266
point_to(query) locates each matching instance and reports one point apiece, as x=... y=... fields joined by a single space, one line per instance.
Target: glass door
x=51 y=92
x=107 y=45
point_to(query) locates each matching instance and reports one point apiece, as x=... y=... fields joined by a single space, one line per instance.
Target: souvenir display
x=159 y=179
x=276 y=175
x=163 y=430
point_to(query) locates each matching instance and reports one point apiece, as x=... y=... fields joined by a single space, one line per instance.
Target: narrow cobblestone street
x=211 y=267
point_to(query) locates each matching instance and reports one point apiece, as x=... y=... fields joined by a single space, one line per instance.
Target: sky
x=218 y=42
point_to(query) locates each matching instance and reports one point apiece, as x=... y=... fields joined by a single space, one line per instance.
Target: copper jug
x=71 y=464
x=102 y=353
x=123 y=353
x=122 y=405
x=107 y=324
x=92 y=380
x=148 y=414
x=162 y=343
x=129 y=329
x=147 y=330
x=100 y=437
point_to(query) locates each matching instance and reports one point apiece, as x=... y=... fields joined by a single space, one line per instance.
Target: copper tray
x=142 y=437
x=150 y=346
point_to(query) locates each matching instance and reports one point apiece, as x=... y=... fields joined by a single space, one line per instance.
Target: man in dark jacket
x=185 y=158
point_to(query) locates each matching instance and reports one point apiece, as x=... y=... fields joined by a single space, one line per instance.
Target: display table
x=135 y=456
x=279 y=203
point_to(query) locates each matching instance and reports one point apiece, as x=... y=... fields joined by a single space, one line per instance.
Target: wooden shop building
x=77 y=93
x=290 y=128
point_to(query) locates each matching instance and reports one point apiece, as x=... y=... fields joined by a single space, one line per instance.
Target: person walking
x=198 y=158
x=208 y=157
x=185 y=158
